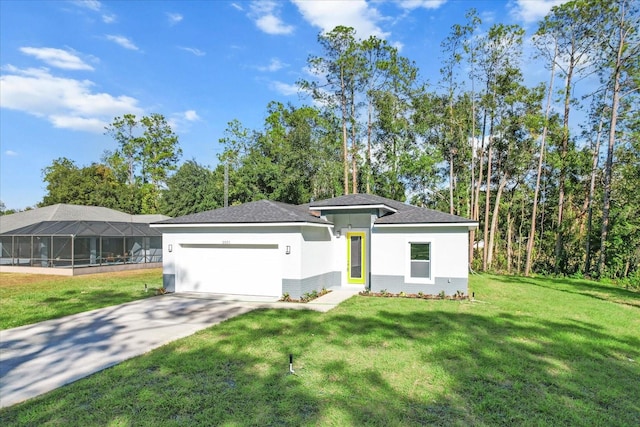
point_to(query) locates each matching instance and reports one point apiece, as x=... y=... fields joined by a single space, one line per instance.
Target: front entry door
x=355 y=257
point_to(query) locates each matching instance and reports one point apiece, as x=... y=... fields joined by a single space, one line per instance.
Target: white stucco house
x=270 y=248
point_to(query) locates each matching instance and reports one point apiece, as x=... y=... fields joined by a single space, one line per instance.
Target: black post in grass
x=291 y=371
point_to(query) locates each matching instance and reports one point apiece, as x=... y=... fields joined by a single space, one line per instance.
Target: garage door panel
x=252 y=269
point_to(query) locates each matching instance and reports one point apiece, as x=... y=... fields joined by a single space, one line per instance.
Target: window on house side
x=420 y=260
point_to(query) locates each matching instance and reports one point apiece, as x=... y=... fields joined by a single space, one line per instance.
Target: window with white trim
x=420 y=260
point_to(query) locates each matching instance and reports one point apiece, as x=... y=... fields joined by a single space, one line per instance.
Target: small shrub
x=286 y=297
x=442 y=294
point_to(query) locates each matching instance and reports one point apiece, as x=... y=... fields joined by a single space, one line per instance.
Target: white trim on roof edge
x=241 y=224
x=378 y=206
x=470 y=225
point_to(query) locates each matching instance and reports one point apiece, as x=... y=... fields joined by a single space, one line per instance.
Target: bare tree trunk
x=473 y=198
x=592 y=188
x=476 y=208
x=606 y=205
x=487 y=199
x=451 y=183
x=520 y=236
x=563 y=173
x=354 y=147
x=369 y=126
x=472 y=233
x=345 y=149
x=532 y=232
x=509 y=239
x=494 y=220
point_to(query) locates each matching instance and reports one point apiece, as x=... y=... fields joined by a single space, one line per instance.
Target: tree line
x=551 y=196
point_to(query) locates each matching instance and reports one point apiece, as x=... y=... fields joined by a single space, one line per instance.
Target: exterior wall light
x=337 y=233
x=170 y=247
x=288 y=250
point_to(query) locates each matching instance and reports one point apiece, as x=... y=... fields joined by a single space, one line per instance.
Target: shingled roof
x=267 y=211
x=417 y=215
x=261 y=211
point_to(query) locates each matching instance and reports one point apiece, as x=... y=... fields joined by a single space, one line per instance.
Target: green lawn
x=31 y=298
x=528 y=352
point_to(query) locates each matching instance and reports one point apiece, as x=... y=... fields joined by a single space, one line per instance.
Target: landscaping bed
x=459 y=296
x=309 y=296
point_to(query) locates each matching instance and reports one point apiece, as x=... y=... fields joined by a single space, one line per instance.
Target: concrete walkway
x=38 y=358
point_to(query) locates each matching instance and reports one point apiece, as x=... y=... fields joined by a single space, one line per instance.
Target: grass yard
x=31 y=298
x=533 y=352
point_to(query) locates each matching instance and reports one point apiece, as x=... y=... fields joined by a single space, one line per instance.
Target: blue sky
x=67 y=68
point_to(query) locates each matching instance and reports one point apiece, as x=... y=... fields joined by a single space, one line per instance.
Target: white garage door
x=229 y=269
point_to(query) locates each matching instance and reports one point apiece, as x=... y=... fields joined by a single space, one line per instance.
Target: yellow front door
x=355 y=257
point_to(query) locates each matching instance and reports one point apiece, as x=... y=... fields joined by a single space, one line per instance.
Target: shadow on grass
x=368 y=362
x=31 y=310
x=588 y=288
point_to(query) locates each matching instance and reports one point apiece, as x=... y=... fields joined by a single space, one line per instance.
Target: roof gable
x=399 y=213
x=358 y=201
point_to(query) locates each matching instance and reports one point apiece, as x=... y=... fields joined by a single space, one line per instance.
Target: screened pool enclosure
x=77 y=244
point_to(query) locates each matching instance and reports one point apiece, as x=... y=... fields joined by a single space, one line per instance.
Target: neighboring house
x=72 y=239
x=270 y=248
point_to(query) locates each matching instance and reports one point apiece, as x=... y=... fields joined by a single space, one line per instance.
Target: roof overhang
x=242 y=224
x=353 y=207
x=468 y=225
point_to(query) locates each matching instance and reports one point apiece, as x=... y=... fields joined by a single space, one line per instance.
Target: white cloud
x=90 y=124
x=196 y=52
x=94 y=5
x=11 y=153
x=425 y=4
x=191 y=116
x=265 y=15
x=532 y=11
x=398 y=45
x=357 y=14
x=274 y=65
x=182 y=121
x=236 y=6
x=488 y=17
x=174 y=18
x=65 y=103
x=57 y=58
x=284 y=88
x=122 y=41
x=271 y=24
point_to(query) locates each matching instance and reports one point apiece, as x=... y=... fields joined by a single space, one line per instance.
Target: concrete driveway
x=38 y=358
